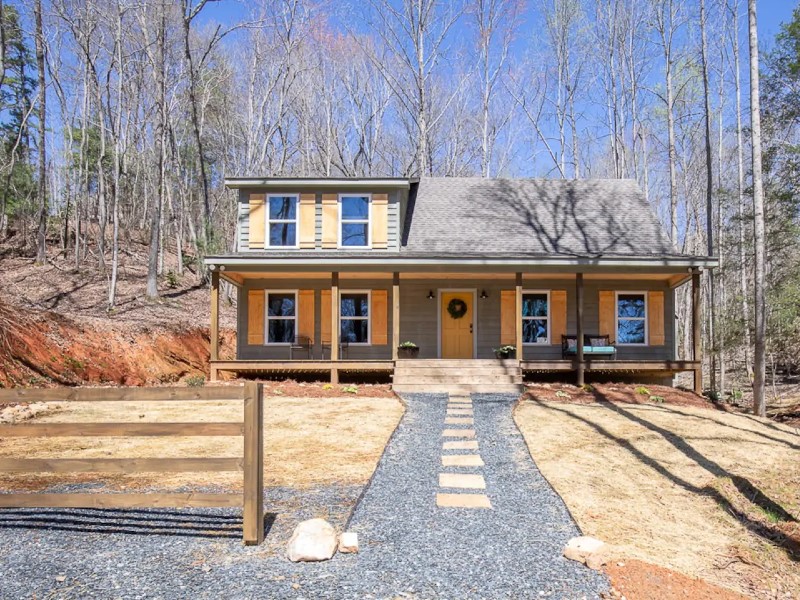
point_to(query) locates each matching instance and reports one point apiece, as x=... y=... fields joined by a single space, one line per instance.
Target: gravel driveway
x=410 y=547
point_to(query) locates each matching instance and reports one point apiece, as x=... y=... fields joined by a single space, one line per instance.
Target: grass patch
x=707 y=493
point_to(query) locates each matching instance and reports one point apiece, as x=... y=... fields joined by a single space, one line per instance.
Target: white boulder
x=348 y=542
x=587 y=550
x=312 y=540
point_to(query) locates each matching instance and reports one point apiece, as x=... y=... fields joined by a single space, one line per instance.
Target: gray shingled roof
x=594 y=217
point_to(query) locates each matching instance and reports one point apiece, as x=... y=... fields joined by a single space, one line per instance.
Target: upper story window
x=354 y=220
x=282 y=221
x=535 y=318
x=631 y=318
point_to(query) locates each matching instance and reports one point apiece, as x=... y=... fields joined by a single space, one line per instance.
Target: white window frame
x=296 y=221
x=547 y=318
x=368 y=318
x=267 y=318
x=645 y=318
x=368 y=221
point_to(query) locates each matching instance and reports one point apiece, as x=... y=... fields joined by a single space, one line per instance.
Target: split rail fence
x=251 y=463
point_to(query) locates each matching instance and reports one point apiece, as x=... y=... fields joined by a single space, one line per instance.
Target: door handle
x=470 y=327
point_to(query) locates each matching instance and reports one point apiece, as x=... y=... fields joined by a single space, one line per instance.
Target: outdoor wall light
x=484 y=295
x=430 y=295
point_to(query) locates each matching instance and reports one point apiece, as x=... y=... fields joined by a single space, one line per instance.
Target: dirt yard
x=308 y=441
x=710 y=494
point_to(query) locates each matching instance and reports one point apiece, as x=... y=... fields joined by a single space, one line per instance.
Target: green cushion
x=593 y=350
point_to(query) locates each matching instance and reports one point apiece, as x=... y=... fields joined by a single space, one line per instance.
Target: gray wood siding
x=419 y=316
x=394 y=218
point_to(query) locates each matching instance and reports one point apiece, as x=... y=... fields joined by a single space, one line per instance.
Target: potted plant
x=408 y=350
x=506 y=352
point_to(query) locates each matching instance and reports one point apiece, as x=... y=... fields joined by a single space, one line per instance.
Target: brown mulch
x=637 y=580
x=622 y=393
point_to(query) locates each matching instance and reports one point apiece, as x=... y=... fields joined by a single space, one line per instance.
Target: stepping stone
x=468 y=445
x=465 y=433
x=462 y=480
x=462 y=460
x=459 y=411
x=459 y=421
x=463 y=501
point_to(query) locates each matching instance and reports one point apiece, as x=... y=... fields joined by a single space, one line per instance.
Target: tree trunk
x=155 y=220
x=759 y=402
x=712 y=308
x=44 y=209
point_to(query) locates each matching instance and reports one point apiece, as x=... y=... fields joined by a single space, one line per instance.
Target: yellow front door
x=457 y=333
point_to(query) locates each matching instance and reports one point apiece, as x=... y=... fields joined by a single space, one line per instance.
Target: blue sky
x=771 y=13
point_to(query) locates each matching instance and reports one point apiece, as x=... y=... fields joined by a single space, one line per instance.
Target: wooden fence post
x=253 y=517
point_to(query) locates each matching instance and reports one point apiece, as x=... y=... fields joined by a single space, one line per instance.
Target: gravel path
x=409 y=546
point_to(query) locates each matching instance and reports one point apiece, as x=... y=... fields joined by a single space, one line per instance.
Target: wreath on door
x=457 y=308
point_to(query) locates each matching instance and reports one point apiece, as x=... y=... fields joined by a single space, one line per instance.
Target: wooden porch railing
x=250 y=463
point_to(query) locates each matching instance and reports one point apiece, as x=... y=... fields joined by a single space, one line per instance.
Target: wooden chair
x=343 y=347
x=302 y=343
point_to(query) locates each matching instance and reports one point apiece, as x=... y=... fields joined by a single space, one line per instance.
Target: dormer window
x=282 y=220
x=354 y=220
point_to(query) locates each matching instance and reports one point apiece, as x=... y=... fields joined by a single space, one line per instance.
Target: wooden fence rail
x=251 y=463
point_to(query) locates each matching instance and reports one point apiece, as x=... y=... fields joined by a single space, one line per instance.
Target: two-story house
x=572 y=277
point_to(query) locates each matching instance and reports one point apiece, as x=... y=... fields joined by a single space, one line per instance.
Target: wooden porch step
x=403 y=378
x=464 y=388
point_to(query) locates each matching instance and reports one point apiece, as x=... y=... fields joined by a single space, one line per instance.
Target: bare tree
x=497 y=22
x=44 y=209
x=667 y=21
x=759 y=242
x=710 y=248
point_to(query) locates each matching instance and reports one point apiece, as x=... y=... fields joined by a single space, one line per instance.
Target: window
x=354 y=213
x=282 y=221
x=535 y=317
x=354 y=317
x=631 y=318
x=281 y=317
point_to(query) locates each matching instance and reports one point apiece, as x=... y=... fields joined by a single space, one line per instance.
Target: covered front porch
x=353 y=319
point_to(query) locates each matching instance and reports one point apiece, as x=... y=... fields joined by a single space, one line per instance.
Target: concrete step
x=464 y=388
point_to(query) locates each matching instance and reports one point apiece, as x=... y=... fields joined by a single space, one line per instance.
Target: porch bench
x=593 y=345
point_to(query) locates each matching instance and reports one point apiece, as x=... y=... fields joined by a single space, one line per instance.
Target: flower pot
x=407 y=352
x=506 y=355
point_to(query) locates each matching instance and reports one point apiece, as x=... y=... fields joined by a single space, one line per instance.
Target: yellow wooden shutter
x=257 y=221
x=508 y=322
x=325 y=317
x=655 y=318
x=255 y=316
x=305 y=313
x=558 y=315
x=606 y=311
x=380 y=317
x=380 y=221
x=308 y=219
x=330 y=220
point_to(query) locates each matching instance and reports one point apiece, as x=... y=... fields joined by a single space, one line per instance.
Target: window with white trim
x=535 y=317
x=354 y=317
x=354 y=220
x=281 y=317
x=631 y=318
x=282 y=211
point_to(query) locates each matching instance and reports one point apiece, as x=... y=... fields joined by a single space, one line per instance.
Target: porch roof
x=392 y=261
